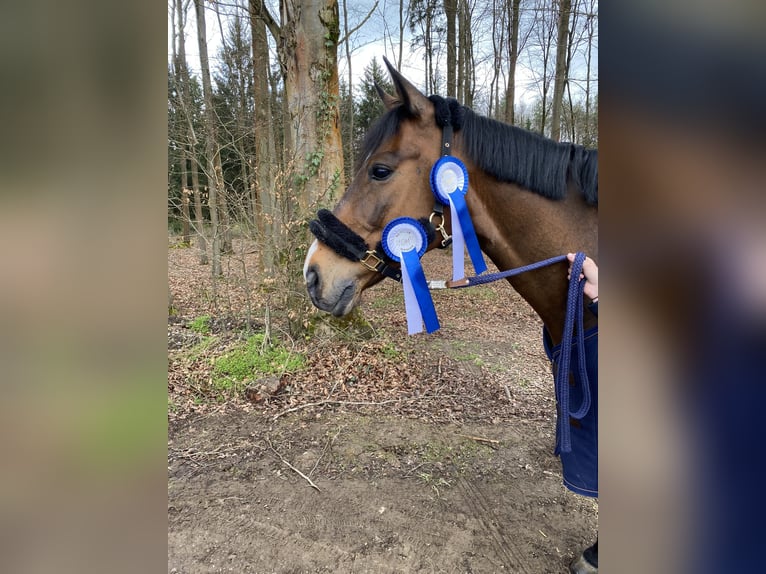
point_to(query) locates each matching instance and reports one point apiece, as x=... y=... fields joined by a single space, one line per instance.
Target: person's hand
x=590 y=273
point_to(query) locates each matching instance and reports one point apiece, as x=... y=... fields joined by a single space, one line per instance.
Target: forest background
x=267 y=103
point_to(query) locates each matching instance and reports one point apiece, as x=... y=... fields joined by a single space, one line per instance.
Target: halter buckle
x=446 y=237
x=374 y=256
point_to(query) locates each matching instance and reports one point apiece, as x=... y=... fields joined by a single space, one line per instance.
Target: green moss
x=254 y=358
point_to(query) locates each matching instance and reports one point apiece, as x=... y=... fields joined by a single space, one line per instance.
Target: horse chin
x=341 y=305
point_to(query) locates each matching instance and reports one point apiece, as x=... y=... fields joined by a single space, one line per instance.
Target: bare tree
x=347 y=46
x=198 y=215
x=450 y=10
x=562 y=66
x=498 y=43
x=268 y=224
x=466 y=67
x=423 y=15
x=179 y=65
x=590 y=24
x=514 y=15
x=214 y=173
x=543 y=28
x=189 y=139
x=402 y=20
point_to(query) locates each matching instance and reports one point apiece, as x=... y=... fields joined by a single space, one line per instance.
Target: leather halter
x=347 y=243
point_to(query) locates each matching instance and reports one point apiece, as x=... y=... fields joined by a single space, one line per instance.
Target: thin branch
x=324 y=450
x=489 y=441
x=362 y=23
x=262 y=12
x=314 y=486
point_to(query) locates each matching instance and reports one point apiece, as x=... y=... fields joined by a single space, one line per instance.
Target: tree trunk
x=179 y=64
x=215 y=181
x=561 y=68
x=185 y=193
x=347 y=45
x=198 y=215
x=498 y=25
x=450 y=10
x=465 y=84
x=513 y=57
x=308 y=54
x=589 y=23
x=401 y=34
x=268 y=224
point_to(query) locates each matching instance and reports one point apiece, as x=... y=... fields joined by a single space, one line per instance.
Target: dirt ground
x=388 y=453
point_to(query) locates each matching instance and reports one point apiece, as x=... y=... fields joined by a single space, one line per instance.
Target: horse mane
x=508 y=153
x=540 y=164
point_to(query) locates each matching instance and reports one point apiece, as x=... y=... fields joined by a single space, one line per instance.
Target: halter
x=347 y=243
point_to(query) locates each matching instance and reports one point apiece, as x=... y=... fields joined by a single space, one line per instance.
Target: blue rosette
x=405 y=241
x=449 y=183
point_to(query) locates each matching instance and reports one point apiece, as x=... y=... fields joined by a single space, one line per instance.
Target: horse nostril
x=312 y=281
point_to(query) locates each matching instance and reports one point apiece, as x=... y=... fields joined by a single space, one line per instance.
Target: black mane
x=508 y=153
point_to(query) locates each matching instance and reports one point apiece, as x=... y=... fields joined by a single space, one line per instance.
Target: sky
x=369 y=41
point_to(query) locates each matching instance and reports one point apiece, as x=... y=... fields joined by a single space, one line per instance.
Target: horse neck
x=516 y=227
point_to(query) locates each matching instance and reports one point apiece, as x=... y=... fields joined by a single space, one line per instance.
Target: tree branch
x=362 y=23
x=262 y=12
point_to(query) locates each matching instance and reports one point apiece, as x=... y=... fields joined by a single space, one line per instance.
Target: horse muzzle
x=338 y=298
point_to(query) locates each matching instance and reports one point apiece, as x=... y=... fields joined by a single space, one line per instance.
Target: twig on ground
x=324 y=450
x=490 y=441
x=291 y=467
x=410 y=471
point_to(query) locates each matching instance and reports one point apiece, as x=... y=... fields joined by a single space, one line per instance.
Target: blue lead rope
x=572 y=320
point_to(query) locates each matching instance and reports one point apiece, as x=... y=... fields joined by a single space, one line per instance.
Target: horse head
x=391 y=180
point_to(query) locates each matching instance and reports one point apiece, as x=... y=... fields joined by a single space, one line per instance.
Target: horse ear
x=407 y=94
x=388 y=100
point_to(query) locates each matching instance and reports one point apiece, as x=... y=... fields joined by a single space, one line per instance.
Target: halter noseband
x=347 y=243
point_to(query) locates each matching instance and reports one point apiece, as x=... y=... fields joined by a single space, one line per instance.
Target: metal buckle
x=446 y=238
x=372 y=255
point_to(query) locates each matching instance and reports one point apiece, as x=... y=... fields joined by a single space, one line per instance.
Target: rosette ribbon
x=449 y=182
x=405 y=241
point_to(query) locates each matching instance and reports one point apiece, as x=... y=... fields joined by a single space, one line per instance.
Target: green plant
x=201 y=325
x=255 y=357
x=391 y=352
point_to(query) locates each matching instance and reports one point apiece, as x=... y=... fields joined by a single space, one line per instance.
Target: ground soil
x=385 y=453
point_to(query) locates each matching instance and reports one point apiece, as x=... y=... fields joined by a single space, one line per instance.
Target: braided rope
x=490 y=277
x=573 y=319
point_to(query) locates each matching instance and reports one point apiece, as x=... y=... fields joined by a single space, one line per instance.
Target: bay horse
x=530 y=198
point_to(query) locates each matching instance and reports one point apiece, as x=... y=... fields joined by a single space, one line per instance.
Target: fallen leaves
x=486 y=363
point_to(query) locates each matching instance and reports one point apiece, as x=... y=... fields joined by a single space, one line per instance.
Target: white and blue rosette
x=405 y=241
x=449 y=182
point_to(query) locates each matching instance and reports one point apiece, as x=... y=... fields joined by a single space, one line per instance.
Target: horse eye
x=380 y=172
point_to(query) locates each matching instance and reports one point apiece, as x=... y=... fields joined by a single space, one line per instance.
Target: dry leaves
x=485 y=363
